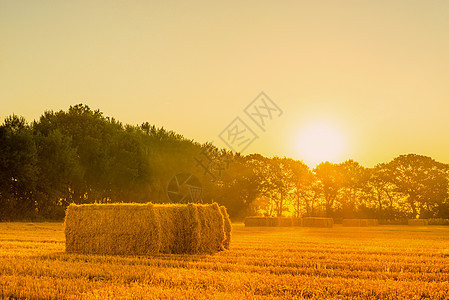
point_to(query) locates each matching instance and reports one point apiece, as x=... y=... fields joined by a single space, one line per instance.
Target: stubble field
x=385 y=262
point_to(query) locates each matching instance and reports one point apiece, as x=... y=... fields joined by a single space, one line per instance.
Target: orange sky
x=377 y=71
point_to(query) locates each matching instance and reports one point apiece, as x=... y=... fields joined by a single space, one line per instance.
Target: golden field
x=385 y=262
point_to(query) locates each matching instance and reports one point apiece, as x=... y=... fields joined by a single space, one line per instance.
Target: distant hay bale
x=259 y=222
x=418 y=222
x=360 y=222
x=253 y=221
x=401 y=221
x=351 y=223
x=438 y=221
x=297 y=222
x=282 y=221
x=274 y=222
x=373 y=222
x=269 y=222
x=317 y=222
x=144 y=229
x=285 y=222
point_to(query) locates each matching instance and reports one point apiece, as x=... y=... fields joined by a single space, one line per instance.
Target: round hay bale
x=418 y=222
x=144 y=229
x=318 y=222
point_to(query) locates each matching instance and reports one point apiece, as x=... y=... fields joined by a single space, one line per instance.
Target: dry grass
x=385 y=262
x=144 y=229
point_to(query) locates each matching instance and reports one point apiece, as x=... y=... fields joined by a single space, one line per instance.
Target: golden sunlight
x=318 y=142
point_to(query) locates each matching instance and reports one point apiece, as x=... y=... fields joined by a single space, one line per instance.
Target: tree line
x=81 y=156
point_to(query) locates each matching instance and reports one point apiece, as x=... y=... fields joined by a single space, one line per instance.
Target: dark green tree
x=18 y=170
x=422 y=180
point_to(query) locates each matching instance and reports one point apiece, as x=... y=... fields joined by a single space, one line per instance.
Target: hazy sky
x=376 y=72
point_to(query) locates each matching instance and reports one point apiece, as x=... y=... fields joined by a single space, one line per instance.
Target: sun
x=318 y=142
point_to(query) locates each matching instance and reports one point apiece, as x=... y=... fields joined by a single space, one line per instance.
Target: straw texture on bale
x=144 y=229
x=227 y=227
x=360 y=222
x=317 y=222
x=418 y=222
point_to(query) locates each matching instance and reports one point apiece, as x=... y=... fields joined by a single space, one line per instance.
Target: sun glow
x=320 y=142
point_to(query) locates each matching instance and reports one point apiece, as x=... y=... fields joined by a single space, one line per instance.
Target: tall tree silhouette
x=330 y=182
x=422 y=180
